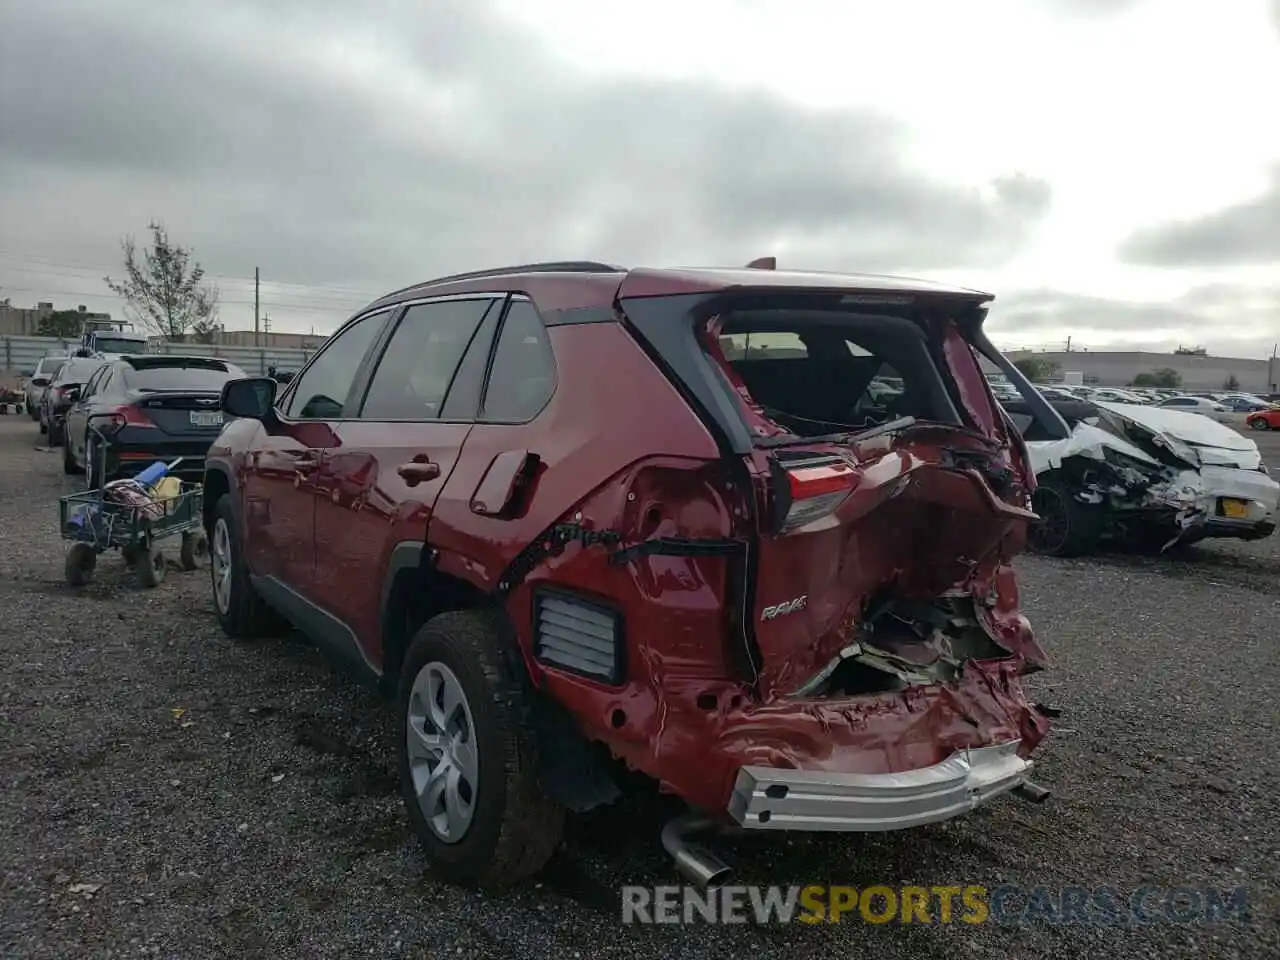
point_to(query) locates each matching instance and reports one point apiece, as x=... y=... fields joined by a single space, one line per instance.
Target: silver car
x=39 y=380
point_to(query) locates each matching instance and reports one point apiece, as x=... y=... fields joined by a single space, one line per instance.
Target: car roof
x=566 y=285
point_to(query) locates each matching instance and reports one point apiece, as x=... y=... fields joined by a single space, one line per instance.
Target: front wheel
x=468 y=763
x=80 y=564
x=1067 y=527
x=149 y=565
x=242 y=613
x=1259 y=423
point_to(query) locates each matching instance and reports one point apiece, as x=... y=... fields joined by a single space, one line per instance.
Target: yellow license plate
x=1235 y=509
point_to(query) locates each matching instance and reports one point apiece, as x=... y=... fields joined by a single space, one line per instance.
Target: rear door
x=279 y=486
x=78 y=415
x=379 y=481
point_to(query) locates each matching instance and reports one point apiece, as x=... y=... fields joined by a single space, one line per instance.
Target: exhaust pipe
x=1032 y=792
x=701 y=867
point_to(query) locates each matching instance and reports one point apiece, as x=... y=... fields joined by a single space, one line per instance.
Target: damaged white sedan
x=1143 y=476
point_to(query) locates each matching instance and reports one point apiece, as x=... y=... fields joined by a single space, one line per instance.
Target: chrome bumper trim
x=770 y=798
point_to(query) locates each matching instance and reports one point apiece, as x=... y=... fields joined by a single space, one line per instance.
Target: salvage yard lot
x=239 y=800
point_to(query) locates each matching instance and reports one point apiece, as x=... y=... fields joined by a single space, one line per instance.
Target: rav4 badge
x=782 y=609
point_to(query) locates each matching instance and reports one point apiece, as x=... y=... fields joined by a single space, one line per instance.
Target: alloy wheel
x=1050 y=534
x=220 y=565
x=443 y=757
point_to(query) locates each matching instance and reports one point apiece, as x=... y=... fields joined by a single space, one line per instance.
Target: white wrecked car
x=1145 y=476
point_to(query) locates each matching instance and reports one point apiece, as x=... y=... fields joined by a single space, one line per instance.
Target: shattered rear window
x=817 y=377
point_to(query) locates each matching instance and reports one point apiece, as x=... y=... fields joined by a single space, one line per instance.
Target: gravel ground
x=239 y=800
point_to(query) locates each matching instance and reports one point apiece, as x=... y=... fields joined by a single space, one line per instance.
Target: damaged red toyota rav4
x=747 y=532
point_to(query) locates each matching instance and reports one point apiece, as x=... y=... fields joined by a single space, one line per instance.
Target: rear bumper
x=129 y=459
x=767 y=798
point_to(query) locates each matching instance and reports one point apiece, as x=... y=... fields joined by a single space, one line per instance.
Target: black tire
x=81 y=561
x=1068 y=528
x=33 y=412
x=247 y=616
x=95 y=465
x=149 y=566
x=44 y=427
x=195 y=550
x=69 y=465
x=514 y=828
x=56 y=431
x=1259 y=423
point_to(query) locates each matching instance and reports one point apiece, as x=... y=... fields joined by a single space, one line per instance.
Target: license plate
x=1235 y=509
x=206 y=418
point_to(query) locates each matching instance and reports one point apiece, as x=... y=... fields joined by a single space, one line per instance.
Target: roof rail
x=554 y=266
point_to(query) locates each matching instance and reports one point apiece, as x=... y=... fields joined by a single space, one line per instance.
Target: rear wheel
x=56 y=431
x=1067 y=527
x=242 y=613
x=69 y=465
x=468 y=764
x=93 y=465
x=1259 y=423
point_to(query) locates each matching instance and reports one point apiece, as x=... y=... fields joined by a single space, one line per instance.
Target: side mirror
x=40 y=381
x=72 y=393
x=252 y=398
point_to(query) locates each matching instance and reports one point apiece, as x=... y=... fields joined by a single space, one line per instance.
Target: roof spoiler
x=763 y=263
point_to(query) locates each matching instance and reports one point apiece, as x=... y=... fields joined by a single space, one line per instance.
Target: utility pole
x=1068 y=344
x=266 y=323
x=255 y=308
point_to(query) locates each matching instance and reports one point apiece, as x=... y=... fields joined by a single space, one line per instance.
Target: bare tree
x=164 y=291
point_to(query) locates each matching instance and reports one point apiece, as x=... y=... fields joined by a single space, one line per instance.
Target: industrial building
x=1198 y=371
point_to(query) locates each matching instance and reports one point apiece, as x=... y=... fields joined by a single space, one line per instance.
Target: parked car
x=143 y=409
x=544 y=506
x=62 y=393
x=1116 y=395
x=39 y=381
x=1049 y=393
x=1243 y=403
x=1201 y=405
x=1268 y=419
x=1144 y=476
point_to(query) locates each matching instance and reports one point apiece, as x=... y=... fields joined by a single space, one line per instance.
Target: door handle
x=418 y=470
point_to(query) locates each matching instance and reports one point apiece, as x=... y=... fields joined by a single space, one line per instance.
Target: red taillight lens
x=121 y=417
x=810 y=490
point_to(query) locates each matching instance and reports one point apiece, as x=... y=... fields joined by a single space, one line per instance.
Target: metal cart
x=94 y=524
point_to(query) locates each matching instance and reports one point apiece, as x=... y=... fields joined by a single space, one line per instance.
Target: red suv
x=746 y=532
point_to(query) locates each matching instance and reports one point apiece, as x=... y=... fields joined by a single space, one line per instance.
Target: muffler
x=700 y=867
x=1032 y=792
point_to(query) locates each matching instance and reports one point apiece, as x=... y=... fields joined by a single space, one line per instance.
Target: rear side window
x=523 y=375
x=419 y=364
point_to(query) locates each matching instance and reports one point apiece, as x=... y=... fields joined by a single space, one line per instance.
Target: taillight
x=121 y=417
x=808 y=490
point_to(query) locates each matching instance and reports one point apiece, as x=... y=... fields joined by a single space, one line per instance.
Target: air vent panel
x=578 y=636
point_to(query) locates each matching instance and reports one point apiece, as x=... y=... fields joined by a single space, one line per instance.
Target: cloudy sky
x=1110 y=169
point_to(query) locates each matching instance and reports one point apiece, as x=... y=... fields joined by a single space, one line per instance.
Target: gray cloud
x=1238 y=320
x=1092 y=8
x=272 y=135
x=1245 y=233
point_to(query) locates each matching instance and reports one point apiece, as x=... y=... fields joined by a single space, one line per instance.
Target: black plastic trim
x=327 y=630
x=665 y=327
x=617 y=673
